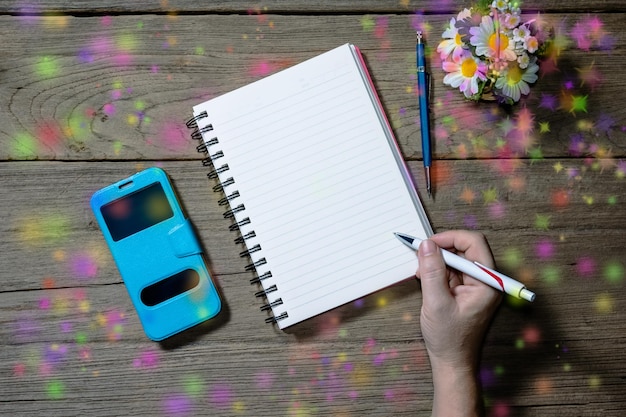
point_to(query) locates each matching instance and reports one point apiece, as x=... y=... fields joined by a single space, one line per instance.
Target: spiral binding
x=193 y=122
x=220 y=187
x=243 y=238
x=250 y=251
x=266 y=291
x=214 y=174
x=226 y=200
x=231 y=213
x=271 y=305
x=209 y=161
x=258 y=279
x=276 y=319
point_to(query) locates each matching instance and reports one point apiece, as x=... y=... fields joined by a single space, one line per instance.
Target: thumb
x=433 y=274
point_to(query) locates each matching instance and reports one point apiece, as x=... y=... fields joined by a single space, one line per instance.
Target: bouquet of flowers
x=488 y=50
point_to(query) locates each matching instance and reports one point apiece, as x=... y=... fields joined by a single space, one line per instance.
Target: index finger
x=473 y=245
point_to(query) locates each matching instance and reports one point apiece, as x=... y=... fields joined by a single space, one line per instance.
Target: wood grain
x=51 y=7
x=123 y=92
x=92 y=92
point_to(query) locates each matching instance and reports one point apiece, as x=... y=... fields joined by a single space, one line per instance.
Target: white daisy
x=501 y=5
x=523 y=60
x=453 y=44
x=531 y=44
x=511 y=21
x=485 y=39
x=521 y=33
x=464 y=72
x=514 y=80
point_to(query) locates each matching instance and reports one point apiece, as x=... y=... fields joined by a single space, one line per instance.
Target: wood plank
x=566 y=211
x=83 y=343
x=70 y=350
x=125 y=90
x=563 y=341
x=47 y=7
x=71 y=341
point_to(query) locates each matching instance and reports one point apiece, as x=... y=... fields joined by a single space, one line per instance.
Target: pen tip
x=429 y=184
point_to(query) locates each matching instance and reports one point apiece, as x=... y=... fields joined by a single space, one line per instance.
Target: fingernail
x=428 y=247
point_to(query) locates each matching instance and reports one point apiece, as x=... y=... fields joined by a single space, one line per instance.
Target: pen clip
x=429 y=90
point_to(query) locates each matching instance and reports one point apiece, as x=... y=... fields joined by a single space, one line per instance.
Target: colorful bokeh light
x=516 y=146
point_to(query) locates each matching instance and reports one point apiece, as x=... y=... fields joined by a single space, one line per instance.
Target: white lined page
x=318 y=173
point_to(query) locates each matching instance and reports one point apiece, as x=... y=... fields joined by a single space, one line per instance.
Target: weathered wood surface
x=89 y=96
x=121 y=93
x=50 y=7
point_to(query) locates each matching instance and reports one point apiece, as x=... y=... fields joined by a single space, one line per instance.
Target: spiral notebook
x=314 y=183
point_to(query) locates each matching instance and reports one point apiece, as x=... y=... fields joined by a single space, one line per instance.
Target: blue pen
x=422 y=87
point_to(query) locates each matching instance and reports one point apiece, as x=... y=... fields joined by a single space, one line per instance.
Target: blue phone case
x=157 y=253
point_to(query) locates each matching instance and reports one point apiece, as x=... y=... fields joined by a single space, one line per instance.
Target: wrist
x=451 y=367
x=456 y=390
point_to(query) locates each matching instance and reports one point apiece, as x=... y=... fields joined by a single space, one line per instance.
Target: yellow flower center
x=504 y=42
x=468 y=67
x=457 y=39
x=514 y=75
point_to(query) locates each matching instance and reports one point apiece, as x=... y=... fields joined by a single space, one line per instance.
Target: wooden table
x=91 y=93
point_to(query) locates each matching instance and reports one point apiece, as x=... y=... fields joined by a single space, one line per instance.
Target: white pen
x=476 y=270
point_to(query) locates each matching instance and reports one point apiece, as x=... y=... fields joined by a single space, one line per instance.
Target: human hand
x=456 y=308
x=456 y=312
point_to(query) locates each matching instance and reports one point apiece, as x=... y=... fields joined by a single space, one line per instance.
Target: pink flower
x=464 y=71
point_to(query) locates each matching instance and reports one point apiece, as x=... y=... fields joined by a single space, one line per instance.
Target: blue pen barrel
x=422 y=86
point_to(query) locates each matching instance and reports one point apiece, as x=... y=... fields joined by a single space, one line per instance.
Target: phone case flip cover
x=161 y=265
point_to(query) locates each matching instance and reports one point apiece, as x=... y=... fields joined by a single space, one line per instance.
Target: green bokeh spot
x=542 y=221
x=614 y=272
x=194 y=385
x=127 y=42
x=368 y=23
x=80 y=338
x=25 y=146
x=448 y=120
x=551 y=274
x=55 y=390
x=512 y=258
x=117 y=147
x=46 y=67
x=579 y=104
x=535 y=154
